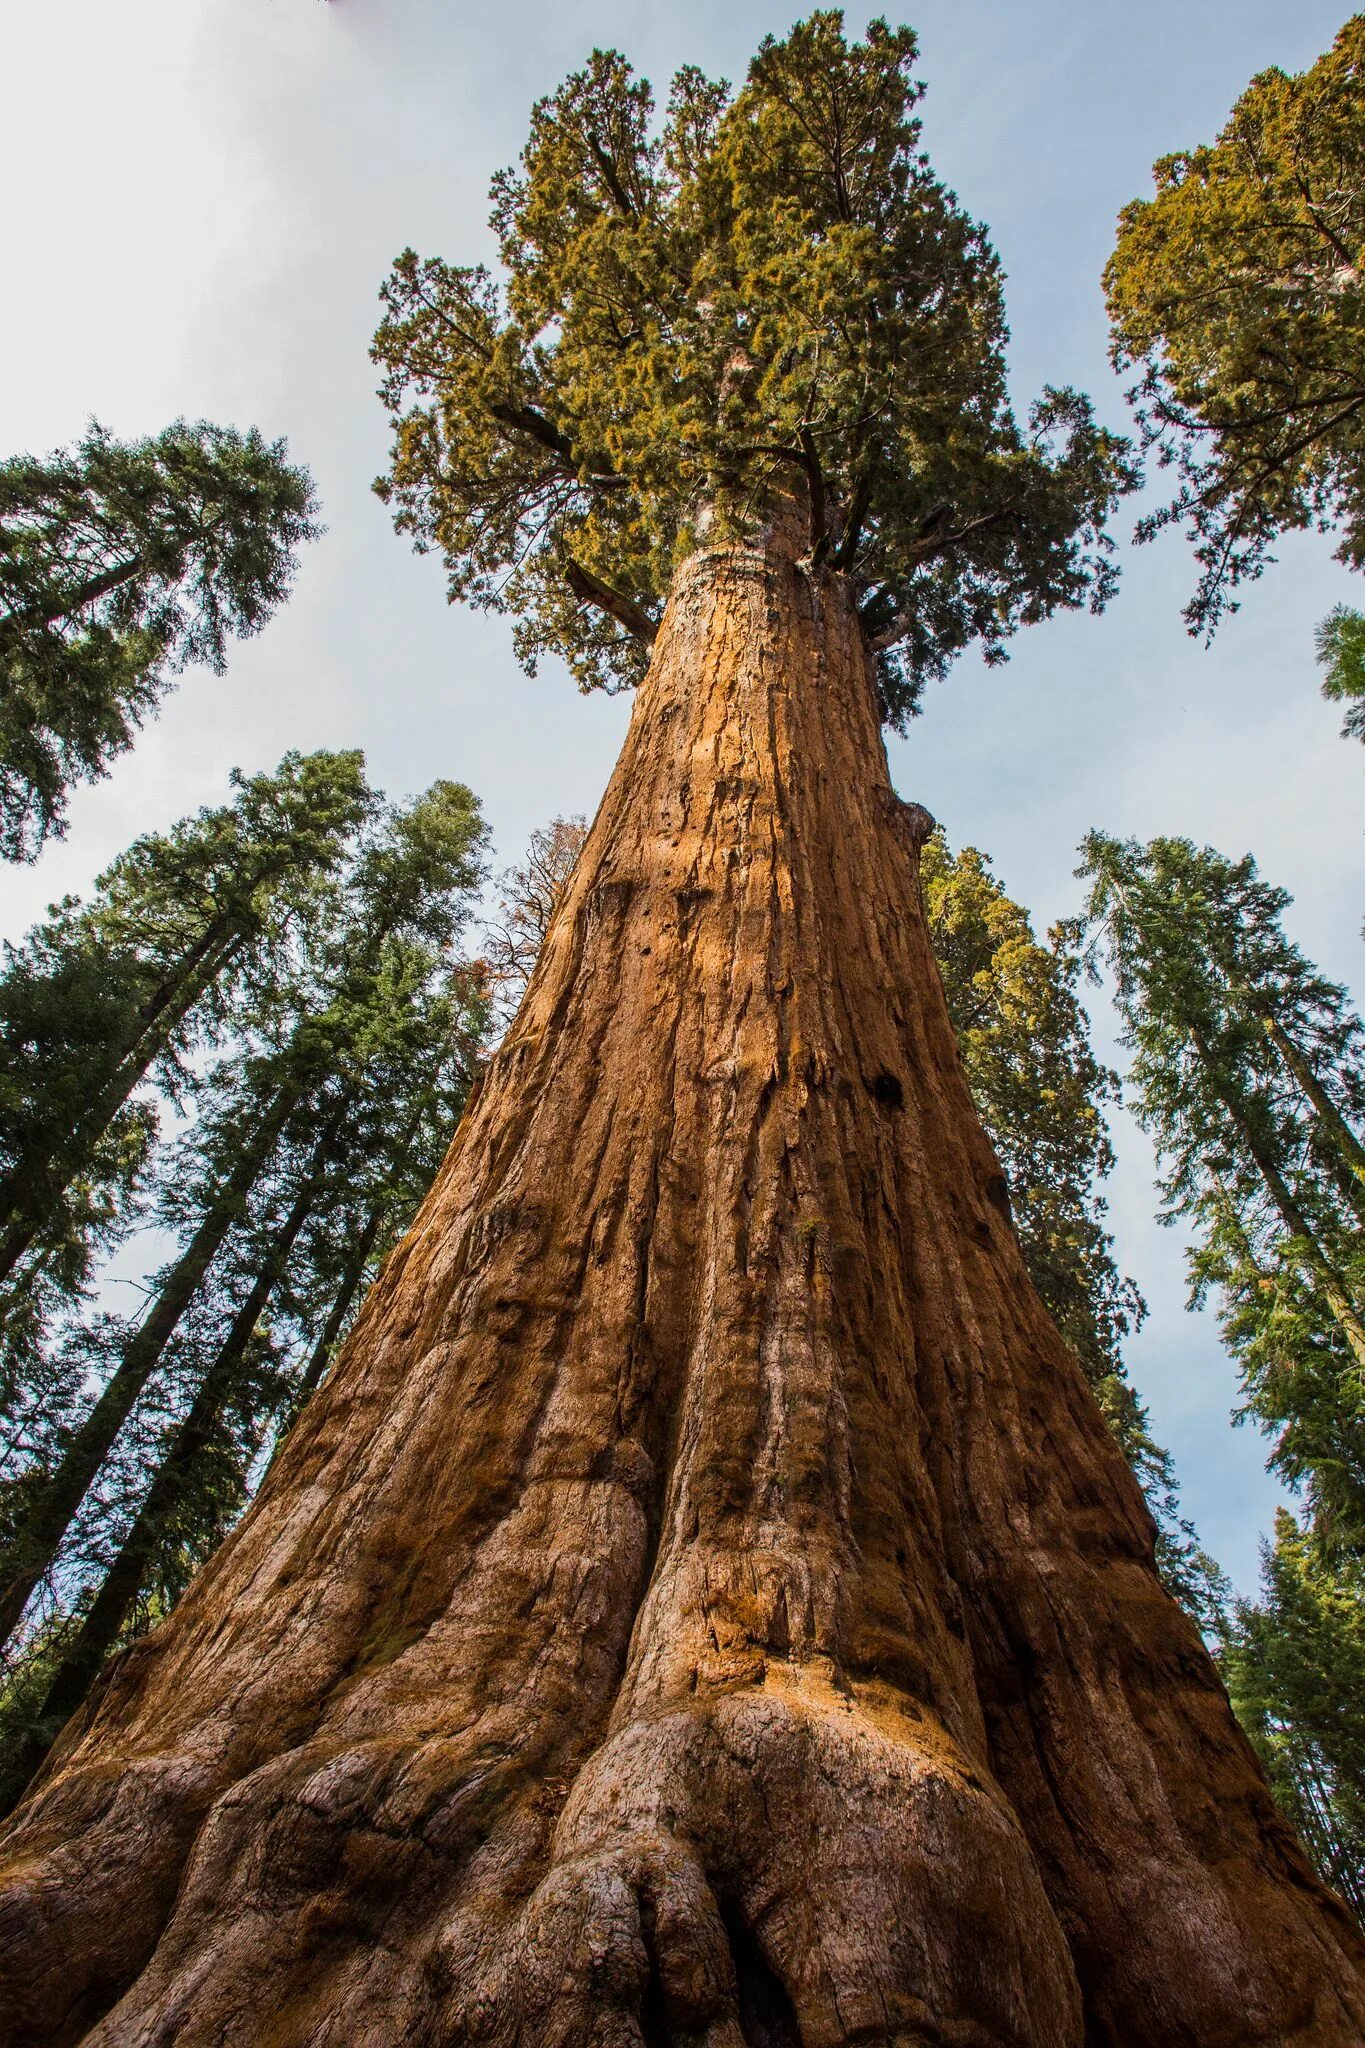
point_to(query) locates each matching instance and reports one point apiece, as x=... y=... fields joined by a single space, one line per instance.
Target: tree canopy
x=1238 y=292
x=768 y=293
x=1295 y=1669
x=150 y=971
x=120 y=564
x=1249 y=1071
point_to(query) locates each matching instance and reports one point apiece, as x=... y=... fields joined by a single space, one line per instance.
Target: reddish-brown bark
x=705 y=1604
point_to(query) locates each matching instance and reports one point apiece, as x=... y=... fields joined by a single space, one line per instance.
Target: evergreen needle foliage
x=1340 y=642
x=1238 y=292
x=768 y=293
x=315 y=1134
x=1249 y=1071
x=120 y=564
x=105 y=995
x=1295 y=1670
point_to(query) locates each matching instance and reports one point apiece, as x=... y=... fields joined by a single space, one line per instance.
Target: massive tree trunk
x=704 y=1604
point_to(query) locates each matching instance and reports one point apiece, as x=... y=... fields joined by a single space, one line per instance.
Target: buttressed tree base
x=705 y=1605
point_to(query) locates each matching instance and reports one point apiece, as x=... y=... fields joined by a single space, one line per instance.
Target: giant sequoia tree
x=705 y=1602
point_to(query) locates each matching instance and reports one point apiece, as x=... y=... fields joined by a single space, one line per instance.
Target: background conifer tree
x=1248 y=1072
x=120 y=564
x=1238 y=292
x=106 y=995
x=401 y=1058
x=1295 y=1667
x=371 y=1039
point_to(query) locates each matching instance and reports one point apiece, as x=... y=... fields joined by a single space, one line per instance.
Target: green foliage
x=1249 y=1071
x=1042 y=1096
x=24 y=1683
x=1295 y=1669
x=181 y=930
x=767 y=295
x=314 y=1136
x=1238 y=291
x=120 y=564
x=1040 y=1092
x=1340 y=641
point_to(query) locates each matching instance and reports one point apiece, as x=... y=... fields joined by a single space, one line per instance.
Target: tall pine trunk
x=113 y=1604
x=1334 y=1123
x=54 y=1502
x=32 y=1191
x=704 y=1603
x=353 y=1272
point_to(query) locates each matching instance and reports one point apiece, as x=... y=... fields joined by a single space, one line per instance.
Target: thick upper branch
x=537 y=428
x=624 y=610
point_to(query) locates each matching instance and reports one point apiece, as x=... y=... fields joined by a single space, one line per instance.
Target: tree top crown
x=765 y=293
x=1238 y=293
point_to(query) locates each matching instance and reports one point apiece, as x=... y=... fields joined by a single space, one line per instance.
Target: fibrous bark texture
x=705 y=1605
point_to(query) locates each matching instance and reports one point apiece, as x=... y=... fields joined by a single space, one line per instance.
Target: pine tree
x=397 y=1155
x=1295 y=1667
x=704 y=1597
x=1341 y=654
x=1248 y=1070
x=106 y=995
x=350 y=1016
x=120 y=564
x=1238 y=292
x=413 y=1043
x=1041 y=1094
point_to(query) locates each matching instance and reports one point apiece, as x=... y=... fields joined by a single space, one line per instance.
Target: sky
x=203 y=198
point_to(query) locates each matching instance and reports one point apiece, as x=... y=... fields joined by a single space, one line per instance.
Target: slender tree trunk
x=47 y=611
x=1314 y=1260
x=31 y=1191
x=113 y=1604
x=176 y=994
x=705 y=1602
x=54 y=1505
x=353 y=1272
x=1319 y=1267
x=1345 y=1139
